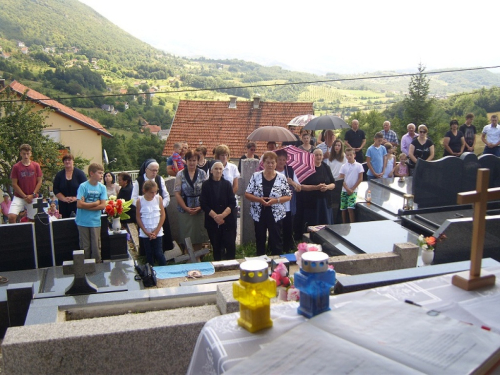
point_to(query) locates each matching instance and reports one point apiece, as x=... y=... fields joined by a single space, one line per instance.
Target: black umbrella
x=326 y=122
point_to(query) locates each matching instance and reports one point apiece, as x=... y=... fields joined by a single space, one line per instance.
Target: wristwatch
x=35 y=195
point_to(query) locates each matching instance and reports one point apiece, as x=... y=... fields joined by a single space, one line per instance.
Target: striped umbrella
x=301 y=161
x=301 y=120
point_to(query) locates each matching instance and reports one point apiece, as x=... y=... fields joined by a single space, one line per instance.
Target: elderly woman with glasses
x=149 y=171
x=250 y=154
x=421 y=147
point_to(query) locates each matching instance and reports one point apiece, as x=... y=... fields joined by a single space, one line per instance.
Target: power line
x=264 y=84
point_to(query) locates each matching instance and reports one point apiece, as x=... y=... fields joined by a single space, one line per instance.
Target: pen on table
x=412 y=303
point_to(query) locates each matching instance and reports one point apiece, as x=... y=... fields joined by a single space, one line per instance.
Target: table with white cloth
x=222 y=344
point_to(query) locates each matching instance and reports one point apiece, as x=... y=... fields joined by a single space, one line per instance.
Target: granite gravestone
x=43 y=235
x=18 y=247
x=79 y=267
x=493 y=164
x=65 y=238
x=437 y=183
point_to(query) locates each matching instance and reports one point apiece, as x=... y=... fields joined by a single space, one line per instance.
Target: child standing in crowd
x=150 y=216
x=178 y=163
x=390 y=160
x=401 y=170
x=376 y=158
x=91 y=200
x=352 y=174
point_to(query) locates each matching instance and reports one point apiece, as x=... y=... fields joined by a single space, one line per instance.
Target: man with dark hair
x=356 y=139
x=469 y=132
x=26 y=177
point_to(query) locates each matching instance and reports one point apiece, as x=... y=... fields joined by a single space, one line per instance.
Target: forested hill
x=70 y=23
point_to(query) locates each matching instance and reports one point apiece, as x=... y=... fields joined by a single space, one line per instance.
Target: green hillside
x=74 y=52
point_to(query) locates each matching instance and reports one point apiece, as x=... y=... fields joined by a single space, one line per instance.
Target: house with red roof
x=79 y=133
x=153 y=129
x=211 y=123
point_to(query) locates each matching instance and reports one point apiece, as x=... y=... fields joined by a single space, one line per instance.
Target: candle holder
x=314 y=281
x=408 y=200
x=254 y=291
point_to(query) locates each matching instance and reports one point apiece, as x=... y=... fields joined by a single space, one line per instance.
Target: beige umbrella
x=272 y=133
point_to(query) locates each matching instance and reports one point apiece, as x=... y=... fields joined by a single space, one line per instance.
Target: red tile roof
x=59 y=108
x=211 y=123
x=154 y=129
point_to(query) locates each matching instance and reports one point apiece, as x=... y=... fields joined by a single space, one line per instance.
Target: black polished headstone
x=437 y=183
x=470 y=167
x=457 y=246
x=491 y=162
x=66 y=239
x=79 y=267
x=17 y=247
x=360 y=238
x=43 y=240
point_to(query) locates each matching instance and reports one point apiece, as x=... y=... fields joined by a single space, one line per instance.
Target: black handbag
x=147 y=274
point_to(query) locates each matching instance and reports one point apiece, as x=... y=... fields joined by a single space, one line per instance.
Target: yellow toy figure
x=254 y=291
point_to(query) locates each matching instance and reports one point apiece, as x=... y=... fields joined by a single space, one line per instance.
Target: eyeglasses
x=422 y=131
x=252 y=149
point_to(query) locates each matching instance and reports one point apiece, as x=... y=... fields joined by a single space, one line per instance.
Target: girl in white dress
x=390 y=161
x=150 y=216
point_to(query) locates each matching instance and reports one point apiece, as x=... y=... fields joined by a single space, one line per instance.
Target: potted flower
x=426 y=245
x=117 y=209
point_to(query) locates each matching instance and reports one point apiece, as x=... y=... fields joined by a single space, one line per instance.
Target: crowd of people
x=281 y=206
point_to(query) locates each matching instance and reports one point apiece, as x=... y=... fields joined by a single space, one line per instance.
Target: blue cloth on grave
x=290 y=257
x=181 y=270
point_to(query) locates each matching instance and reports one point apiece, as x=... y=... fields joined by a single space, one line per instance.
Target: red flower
x=431 y=241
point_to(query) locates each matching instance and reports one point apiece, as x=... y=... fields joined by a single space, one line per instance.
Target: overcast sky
x=318 y=36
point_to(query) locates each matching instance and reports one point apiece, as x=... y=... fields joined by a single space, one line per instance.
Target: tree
x=417 y=106
x=19 y=124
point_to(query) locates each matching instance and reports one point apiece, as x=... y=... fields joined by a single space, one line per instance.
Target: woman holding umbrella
x=268 y=191
x=315 y=201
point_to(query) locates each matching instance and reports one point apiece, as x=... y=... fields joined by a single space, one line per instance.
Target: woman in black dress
x=125 y=193
x=316 y=198
x=218 y=202
x=65 y=186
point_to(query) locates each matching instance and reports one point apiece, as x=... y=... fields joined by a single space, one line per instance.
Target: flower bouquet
x=426 y=243
x=117 y=208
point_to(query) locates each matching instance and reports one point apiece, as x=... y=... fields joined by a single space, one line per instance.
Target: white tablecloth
x=222 y=343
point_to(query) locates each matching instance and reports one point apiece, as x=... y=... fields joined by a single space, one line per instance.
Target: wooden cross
x=192 y=256
x=39 y=205
x=479 y=198
x=79 y=267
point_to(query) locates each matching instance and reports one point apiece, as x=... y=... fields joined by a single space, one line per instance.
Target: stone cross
x=40 y=205
x=79 y=267
x=479 y=198
x=192 y=256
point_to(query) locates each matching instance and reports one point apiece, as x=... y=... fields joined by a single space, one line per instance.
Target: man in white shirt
x=408 y=138
x=491 y=137
x=327 y=145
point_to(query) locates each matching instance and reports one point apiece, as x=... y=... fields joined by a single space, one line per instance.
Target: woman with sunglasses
x=421 y=147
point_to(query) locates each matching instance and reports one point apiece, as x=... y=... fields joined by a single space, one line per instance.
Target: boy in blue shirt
x=91 y=201
x=376 y=158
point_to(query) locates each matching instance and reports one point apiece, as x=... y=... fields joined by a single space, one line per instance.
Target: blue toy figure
x=314 y=281
x=254 y=291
